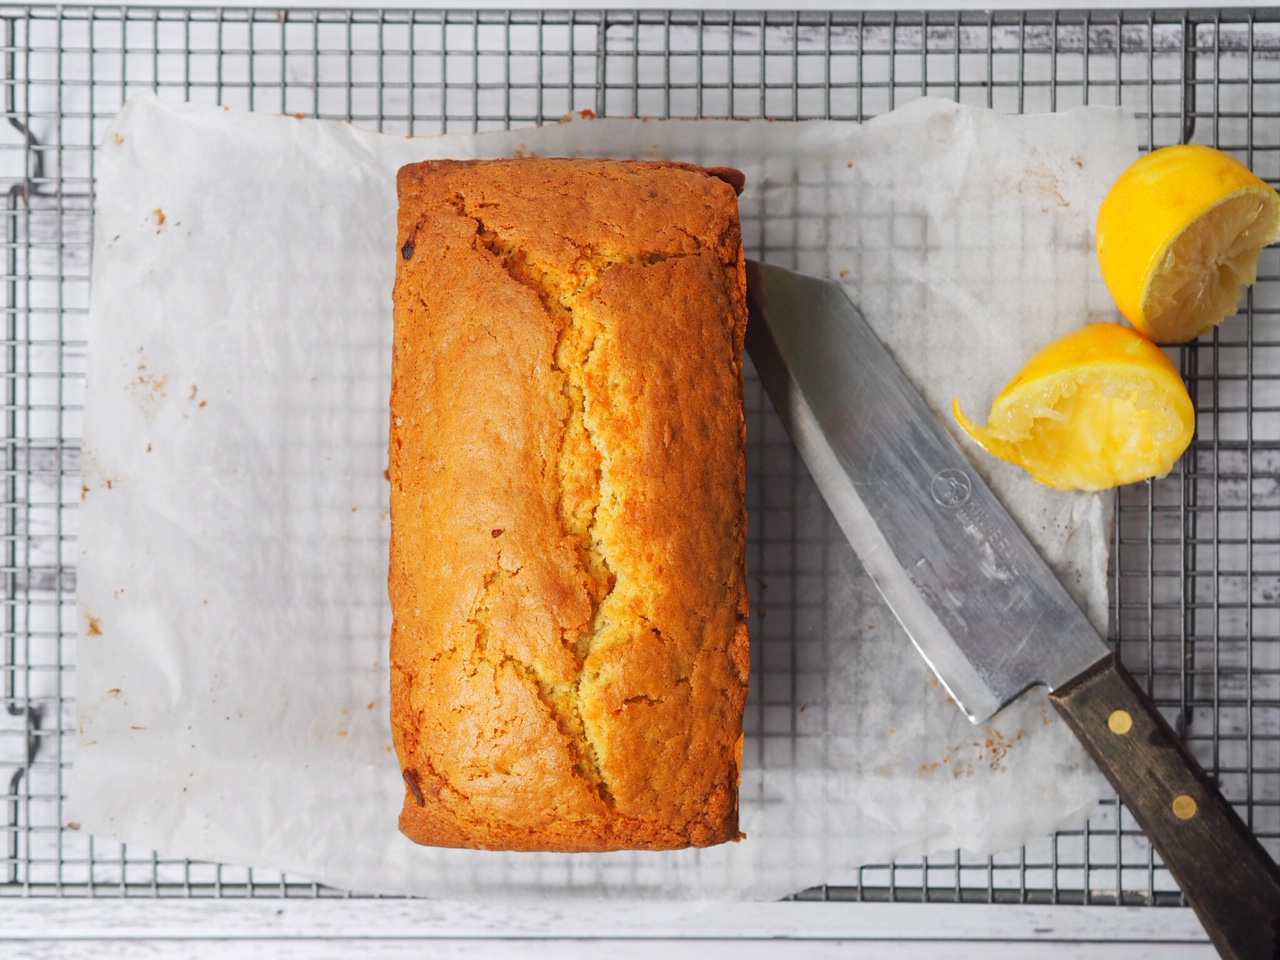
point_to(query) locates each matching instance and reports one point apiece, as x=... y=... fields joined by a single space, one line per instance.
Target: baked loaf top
x=569 y=649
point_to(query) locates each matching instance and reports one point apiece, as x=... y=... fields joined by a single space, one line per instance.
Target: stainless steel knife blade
x=978 y=600
x=971 y=590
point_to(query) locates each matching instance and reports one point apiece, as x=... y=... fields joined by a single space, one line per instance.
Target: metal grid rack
x=1196 y=556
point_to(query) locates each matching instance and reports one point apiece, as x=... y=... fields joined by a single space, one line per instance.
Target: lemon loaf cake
x=569 y=654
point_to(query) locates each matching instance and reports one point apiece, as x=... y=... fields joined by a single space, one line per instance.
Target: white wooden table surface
x=44 y=928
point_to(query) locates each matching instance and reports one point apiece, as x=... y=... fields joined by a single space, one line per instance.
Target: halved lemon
x=1098 y=408
x=1179 y=236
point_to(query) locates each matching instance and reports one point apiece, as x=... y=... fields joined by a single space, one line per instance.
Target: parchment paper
x=232 y=659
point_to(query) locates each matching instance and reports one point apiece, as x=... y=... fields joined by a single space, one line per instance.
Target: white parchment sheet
x=232 y=659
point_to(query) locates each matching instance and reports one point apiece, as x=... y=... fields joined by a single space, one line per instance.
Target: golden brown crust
x=569 y=647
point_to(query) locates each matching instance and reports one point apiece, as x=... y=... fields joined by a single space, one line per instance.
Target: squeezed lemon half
x=1179 y=236
x=1100 y=407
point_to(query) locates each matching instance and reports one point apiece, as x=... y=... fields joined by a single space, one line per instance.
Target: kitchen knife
x=976 y=597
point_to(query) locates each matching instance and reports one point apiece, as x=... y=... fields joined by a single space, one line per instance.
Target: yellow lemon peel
x=1178 y=239
x=1098 y=408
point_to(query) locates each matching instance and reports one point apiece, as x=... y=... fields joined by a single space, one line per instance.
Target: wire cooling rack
x=1196 y=556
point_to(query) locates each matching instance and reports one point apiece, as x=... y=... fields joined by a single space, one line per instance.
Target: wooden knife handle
x=1226 y=875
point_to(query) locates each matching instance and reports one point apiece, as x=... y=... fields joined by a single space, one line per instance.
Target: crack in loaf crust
x=569 y=647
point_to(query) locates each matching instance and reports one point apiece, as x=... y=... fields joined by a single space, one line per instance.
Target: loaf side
x=569 y=646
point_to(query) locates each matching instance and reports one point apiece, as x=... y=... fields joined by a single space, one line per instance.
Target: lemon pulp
x=1201 y=278
x=1096 y=409
x=1178 y=239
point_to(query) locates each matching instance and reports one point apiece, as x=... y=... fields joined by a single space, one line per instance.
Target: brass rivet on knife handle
x=1226 y=875
x=1120 y=722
